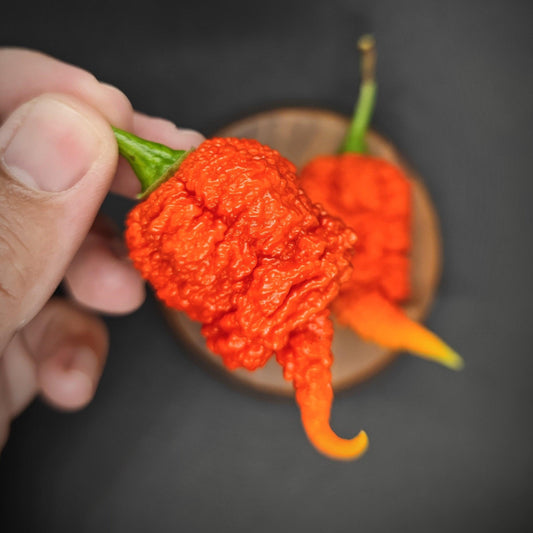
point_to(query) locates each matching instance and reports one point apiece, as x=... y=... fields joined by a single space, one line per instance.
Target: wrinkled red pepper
x=231 y=239
x=373 y=197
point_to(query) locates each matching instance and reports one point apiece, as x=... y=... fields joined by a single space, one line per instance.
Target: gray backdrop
x=166 y=446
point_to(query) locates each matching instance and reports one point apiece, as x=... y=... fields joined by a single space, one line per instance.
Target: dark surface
x=166 y=446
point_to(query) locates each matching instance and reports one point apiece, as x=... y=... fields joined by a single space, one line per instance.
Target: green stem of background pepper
x=355 y=142
x=152 y=162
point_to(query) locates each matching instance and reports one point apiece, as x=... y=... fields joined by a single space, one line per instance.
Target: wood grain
x=300 y=134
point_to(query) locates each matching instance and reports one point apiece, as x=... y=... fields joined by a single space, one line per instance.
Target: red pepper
x=373 y=197
x=230 y=238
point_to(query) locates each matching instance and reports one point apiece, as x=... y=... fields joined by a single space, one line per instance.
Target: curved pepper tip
x=376 y=319
x=328 y=443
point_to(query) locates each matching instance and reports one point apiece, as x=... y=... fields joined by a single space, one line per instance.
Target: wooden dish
x=300 y=134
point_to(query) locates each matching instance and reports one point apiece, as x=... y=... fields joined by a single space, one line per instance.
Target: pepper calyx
x=171 y=170
x=153 y=163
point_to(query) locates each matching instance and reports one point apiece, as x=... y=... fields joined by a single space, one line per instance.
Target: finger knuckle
x=13 y=254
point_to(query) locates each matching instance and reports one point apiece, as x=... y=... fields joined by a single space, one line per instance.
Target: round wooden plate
x=300 y=134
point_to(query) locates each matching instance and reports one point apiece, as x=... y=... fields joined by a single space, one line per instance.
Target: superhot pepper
x=373 y=197
x=225 y=234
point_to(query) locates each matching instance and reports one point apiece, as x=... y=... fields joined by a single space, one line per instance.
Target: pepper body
x=373 y=197
x=233 y=241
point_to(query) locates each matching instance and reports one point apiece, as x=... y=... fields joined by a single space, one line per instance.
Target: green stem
x=355 y=138
x=152 y=162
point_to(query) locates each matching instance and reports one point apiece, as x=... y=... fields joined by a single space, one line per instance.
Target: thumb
x=57 y=159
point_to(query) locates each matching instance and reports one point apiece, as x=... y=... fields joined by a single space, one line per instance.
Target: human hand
x=58 y=160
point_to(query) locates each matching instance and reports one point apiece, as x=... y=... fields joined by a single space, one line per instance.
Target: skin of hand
x=58 y=160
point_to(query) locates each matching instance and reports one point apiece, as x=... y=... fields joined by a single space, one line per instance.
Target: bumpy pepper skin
x=234 y=242
x=306 y=361
x=373 y=197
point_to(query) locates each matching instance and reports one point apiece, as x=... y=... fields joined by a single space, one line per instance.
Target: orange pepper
x=373 y=197
x=230 y=238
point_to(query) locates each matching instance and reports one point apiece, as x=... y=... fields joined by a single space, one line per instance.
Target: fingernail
x=85 y=362
x=187 y=138
x=50 y=145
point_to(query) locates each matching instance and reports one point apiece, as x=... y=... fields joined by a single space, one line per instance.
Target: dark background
x=166 y=446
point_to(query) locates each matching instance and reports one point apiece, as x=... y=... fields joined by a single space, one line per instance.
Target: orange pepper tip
x=446 y=356
x=423 y=343
x=376 y=319
x=329 y=444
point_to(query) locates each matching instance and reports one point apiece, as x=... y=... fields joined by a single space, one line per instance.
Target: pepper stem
x=152 y=162
x=355 y=138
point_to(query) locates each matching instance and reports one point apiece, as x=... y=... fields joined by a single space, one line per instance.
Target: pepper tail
x=374 y=318
x=306 y=361
x=315 y=408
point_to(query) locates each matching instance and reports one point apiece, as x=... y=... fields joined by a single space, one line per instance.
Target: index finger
x=26 y=74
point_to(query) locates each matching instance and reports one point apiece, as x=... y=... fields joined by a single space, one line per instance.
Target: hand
x=58 y=160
